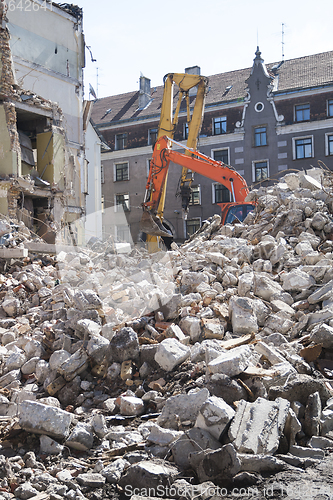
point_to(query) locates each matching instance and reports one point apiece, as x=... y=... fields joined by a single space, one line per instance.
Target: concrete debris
x=257 y=427
x=215 y=355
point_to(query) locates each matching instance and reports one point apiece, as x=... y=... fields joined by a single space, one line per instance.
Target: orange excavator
x=195 y=162
x=191 y=161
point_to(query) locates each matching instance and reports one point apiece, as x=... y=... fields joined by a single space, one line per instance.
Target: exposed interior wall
x=8 y=158
x=4 y=197
x=51 y=157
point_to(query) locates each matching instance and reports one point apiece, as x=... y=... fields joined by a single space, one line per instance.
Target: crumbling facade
x=43 y=178
x=262 y=120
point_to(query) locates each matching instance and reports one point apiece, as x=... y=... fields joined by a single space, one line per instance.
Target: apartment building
x=263 y=120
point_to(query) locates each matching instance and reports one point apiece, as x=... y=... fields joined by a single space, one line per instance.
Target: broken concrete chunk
x=322 y=334
x=266 y=288
x=57 y=358
x=87 y=299
x=193 y=441
x=212 y=328
x=297 y=280
x=43 y=419
x=97 y=348
x=217 y=466
x=191 y=325
x=170 y=353
x=25 y=491
x=74 y=365
x=312 y=415
x=11 y=307
x=162 y=437
x=99 y=425
x=222 y=386
x=113 y=472
x=302 y=452
x=124 y=345
x=243 y=315
x=292 y=428
x=49 y=446
x=181 y=408
x=326 y=421
x=257 y=427
x=81 y=438
x=149 y=474
x=8 y=378
x=300 y=388
x=91 y=480
x=214 y=415
x=85 y=328
x=131 y=405
x=232 y=362
x=320 y=442
x=260 y=463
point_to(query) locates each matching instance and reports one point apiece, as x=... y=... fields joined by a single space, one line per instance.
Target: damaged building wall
x=48 y=49
x=48 y=54
x=93 y=224
x=42 y=155
x=10 y=147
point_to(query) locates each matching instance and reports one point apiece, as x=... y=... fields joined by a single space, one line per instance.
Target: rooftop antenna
x=282 y=42
x=97 y=82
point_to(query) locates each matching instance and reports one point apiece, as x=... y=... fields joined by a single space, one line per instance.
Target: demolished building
x=43 y=167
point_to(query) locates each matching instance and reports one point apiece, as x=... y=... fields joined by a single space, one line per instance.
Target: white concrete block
x=171 y=353
x=43 y=419
x=257 y=427
x=232 y=362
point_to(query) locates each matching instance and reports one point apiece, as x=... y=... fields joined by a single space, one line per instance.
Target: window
x=121 y=172
x=220 y=193
x=260 y=136
x=302 y=148
x=120 y=141
x=192 y=226
x=195 y=197
x=302 y=112
x=260 y=171
x=330 y=107
x=221 y=155
x=122 y=202
x=152 y=136
x=123 y=233
x=185 y=131
x=329 y=144
x=102 y=174
x=220 y=125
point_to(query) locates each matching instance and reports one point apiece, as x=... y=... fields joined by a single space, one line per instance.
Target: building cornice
x=304 y=127
x=221 y=139
x=291 y=94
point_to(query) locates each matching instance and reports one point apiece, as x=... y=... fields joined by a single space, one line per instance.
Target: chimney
x=193 y=70
x=144 y=93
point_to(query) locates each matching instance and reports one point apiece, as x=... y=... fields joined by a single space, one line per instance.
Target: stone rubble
x=214 y=359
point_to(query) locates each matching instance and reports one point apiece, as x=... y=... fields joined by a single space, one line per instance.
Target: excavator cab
x=235 y=212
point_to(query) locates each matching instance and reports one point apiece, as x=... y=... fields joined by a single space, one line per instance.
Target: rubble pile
x=125 y=374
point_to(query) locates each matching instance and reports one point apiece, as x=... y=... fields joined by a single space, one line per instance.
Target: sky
x=133 y=37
